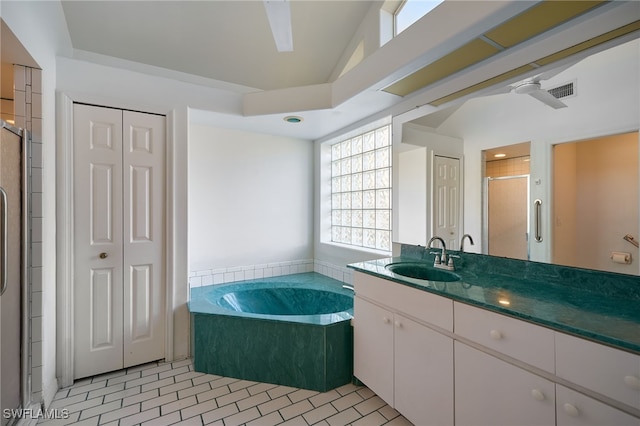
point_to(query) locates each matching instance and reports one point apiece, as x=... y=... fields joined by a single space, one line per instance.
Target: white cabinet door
x=423 y=373
x=575 y=409
x=373 y=348
x=118 y=239
x=489 y=391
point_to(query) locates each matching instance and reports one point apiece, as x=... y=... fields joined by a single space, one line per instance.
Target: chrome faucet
x=462 y=241
x=441 y=261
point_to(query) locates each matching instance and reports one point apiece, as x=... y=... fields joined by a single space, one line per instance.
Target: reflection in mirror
x=595 y=202
x=603 y=102
x=506 y=202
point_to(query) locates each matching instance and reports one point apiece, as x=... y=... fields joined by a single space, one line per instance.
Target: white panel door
x=98 y=309
x=119 y=239
x=446 y=200
x=144 y=142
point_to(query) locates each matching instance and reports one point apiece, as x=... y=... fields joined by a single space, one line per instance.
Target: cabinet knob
x=386 y=320
x=632 y=381
x=103 y=255
x=537 y=394
x=495 y=335
x=571 y=410
x=398 y=324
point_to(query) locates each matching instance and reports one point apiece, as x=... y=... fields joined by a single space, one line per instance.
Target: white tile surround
x=251 y=272
x=27 y=111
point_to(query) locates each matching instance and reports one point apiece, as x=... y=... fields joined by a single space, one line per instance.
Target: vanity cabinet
x=490 y=391
x=443 y=362
x=398 y=355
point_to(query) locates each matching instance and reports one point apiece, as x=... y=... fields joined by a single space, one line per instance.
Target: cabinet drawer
x=611 y=372
x=519 y=339
x=425 y=306
x=575 y=409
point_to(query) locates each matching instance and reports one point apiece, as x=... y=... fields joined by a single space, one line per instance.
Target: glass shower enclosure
x=13 y=272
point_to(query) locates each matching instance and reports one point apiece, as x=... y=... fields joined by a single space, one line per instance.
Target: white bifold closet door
x=119 y=202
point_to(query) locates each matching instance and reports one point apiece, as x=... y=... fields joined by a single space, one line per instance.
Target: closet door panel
x=98 y=309
x=144 y=206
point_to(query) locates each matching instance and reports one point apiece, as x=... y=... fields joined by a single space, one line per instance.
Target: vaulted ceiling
x=229 y=41
x=462 y=49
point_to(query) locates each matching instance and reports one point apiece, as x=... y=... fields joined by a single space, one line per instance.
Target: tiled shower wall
x=27 y=110
x=509 y=167
x=251 y=272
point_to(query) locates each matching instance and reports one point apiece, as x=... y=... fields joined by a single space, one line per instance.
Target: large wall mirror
x=580 y=164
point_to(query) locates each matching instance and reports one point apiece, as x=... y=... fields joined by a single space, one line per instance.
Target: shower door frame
x=485 y=211
x=25 y=278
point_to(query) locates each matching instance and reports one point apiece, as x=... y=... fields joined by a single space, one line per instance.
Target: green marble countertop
x=608 y=317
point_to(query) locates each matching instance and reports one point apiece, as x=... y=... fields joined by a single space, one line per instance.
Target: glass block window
x=361 y=190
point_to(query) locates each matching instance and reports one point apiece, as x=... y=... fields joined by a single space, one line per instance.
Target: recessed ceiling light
x=500 y=155
x=293 y=119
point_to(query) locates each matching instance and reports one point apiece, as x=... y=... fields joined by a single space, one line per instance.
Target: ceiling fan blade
x=279 y=14
x=547 y=98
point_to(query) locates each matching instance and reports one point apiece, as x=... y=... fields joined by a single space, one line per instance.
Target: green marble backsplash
x=604 y=283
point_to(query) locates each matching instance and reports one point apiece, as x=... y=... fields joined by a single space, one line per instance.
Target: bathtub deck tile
x=199 y=399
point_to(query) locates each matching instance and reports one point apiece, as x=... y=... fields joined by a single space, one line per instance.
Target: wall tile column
x=27 y=110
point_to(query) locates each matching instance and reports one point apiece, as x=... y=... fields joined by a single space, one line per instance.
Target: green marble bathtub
x=299 y=335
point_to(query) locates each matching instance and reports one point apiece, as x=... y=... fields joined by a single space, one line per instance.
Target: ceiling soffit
x=532 y=22
x=565 y=53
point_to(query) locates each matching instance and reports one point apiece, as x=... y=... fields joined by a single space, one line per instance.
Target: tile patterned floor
x=159 y=393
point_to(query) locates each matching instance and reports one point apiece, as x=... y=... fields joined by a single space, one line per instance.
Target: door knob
x=103 y=255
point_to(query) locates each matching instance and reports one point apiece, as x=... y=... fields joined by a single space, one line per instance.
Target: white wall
x=250 y=198
x=607 y=102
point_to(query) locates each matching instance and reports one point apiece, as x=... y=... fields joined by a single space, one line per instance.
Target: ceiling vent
x=563 y=91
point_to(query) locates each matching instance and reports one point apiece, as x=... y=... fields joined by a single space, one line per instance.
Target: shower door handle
x=4 y=255
x=538 y=212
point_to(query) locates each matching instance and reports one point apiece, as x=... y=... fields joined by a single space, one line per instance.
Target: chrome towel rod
x=631 y=240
